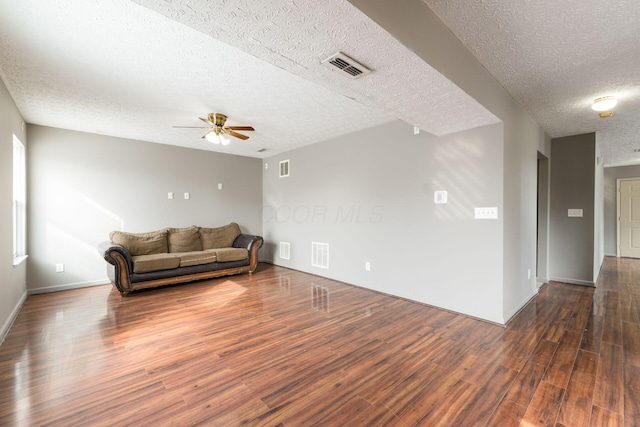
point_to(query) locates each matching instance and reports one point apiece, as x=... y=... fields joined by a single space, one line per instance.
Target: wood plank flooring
x=284 y=348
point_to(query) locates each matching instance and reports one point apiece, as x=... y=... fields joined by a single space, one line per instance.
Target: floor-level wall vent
x=320 y=255
x=285 y=250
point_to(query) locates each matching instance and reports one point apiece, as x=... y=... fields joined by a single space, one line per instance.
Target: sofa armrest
x=246 y=241
x=120 y=258
x=252 y=244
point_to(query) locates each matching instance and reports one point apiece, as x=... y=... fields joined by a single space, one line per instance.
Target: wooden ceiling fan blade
x=240 y=128
x=237 y=135
x=190 y=127
x=207 y=121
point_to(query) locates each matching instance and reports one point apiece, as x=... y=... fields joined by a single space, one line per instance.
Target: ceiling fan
x=217 y=130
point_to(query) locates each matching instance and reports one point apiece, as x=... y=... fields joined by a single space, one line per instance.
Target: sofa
x=177 y=255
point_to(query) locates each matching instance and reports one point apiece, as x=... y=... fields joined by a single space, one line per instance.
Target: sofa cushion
x=231 y=254
x=221 y=237
x=184 y=239
x=155 y=262
x=196 y=258
x=154 y=242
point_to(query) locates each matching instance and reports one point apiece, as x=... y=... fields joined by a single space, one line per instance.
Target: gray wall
x=370 y=196
x=82 y=186
x=13 y=279
x=573 y=175
x=412 y=23
x=610 y=204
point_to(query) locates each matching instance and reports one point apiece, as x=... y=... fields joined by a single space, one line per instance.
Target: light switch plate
x=575 y=213
x=170 y=196
x=220 y=186
x=486 y=213
x=186 y=196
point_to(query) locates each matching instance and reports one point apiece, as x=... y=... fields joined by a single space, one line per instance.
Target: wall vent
x=285 y=250
x=348 y=65
x=320 y=255
x=284 y=168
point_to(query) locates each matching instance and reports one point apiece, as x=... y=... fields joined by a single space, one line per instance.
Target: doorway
x=628 y=195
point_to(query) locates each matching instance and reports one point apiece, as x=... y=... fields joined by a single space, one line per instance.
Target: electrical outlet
x=220 y=186
x=186 y=196
x=59 y=268
x=440 y=197
x=170 y=196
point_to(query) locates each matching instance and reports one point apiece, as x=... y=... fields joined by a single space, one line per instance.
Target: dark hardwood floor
x=284 y=348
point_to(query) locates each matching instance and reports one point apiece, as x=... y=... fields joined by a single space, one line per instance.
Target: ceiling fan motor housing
x=217 y=119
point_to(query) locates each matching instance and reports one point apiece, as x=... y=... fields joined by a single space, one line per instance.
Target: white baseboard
x=12 y=317
x=573 y=281
x=519 y=308
x=68 y=286
x=613 y=255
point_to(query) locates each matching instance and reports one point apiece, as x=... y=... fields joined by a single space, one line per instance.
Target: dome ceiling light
x=605 y=103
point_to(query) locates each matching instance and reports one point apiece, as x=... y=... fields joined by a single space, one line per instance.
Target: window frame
x=19 y=201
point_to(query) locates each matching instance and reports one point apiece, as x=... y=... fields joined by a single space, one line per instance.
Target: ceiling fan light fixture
x=212 y=137
x=604 y=103
x=224 y=140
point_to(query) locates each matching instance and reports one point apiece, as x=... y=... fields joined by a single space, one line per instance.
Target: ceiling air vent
x=342 y=62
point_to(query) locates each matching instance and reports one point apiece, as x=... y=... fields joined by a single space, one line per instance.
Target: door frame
x=618 y=183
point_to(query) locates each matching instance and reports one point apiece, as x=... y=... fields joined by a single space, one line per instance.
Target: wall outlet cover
x=440 y=197
x=486 y=213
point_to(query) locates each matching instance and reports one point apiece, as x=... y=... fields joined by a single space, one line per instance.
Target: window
x=19 y=202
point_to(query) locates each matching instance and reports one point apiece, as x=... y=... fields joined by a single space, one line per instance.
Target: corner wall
x=413 y=24
x=82 y=186
x=13 y=278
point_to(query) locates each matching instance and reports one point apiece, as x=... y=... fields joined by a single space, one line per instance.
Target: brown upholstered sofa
x=177 y=255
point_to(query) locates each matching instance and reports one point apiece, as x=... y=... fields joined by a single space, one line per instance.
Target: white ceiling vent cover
x=342 y=62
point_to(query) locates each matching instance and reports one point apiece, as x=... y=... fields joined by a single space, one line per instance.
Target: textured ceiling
x=556 y=57
x=134 y=69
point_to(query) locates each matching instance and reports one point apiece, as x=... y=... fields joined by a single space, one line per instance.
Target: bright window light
x=19 y=201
